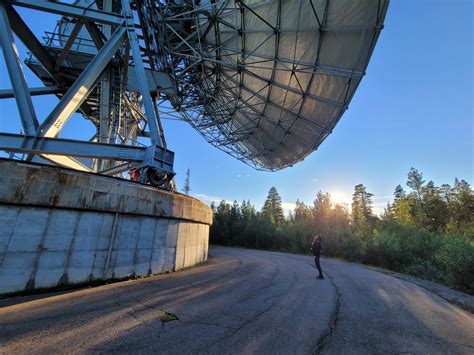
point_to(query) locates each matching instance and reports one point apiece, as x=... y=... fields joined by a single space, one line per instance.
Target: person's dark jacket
x=316 y=248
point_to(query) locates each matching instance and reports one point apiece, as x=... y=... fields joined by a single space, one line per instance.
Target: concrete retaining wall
x=61 y=227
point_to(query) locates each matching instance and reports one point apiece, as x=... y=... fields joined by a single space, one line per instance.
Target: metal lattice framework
x=264 y=80
x=267 y=81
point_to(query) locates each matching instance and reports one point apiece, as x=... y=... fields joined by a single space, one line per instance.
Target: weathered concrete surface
x=60 y=227
x=242 y=302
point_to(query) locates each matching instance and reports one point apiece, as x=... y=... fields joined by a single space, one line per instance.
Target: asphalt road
x=242 y=301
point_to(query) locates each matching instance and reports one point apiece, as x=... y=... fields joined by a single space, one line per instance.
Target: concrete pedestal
x=61 y=227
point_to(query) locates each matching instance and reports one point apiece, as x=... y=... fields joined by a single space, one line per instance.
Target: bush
x=455 y=259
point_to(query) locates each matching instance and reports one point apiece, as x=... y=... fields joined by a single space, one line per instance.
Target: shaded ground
x=242 y=301
x=456 y=297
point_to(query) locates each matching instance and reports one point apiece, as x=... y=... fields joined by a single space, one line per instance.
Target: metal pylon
x=94 y=64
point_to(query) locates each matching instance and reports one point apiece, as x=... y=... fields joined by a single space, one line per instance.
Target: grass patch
x=167 y=317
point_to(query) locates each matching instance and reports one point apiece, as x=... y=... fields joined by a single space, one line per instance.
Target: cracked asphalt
x=241 y=301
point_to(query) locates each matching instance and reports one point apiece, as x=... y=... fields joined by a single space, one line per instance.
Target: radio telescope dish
x=267 y=81
x=263 y=80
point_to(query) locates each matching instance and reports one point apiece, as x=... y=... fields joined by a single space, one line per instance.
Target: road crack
x=324 y=339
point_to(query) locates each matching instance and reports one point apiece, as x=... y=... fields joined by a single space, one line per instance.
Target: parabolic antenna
x=265 y=81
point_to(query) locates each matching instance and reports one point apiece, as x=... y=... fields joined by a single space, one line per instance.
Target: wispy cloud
x=243 y=176
x=315 y=180
x=210 y=198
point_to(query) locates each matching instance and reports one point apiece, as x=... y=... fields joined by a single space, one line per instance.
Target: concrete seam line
x=71 y=248
x=111 y=243
x=102 y=211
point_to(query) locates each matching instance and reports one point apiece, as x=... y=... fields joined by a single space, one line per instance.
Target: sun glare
x=338 y=197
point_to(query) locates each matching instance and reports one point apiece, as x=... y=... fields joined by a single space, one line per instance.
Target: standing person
x=316 y=249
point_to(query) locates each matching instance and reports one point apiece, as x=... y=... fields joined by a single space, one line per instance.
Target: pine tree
x=446 y=192
x=220 y=232
x=235 y=222
x=388 y=214
x=321 y=212
x=415 y=182
x=362 y=199
x=363 y=220
x=247 y=210
x=402 y=207
x=418 y=210
x=463 y=201
x=272 y=208
x=434 y=207
x=399 y=193
x=187 y=183
x=302 y=212
x=404 y=210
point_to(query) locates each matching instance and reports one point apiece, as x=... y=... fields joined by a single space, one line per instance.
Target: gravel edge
x=458 y=298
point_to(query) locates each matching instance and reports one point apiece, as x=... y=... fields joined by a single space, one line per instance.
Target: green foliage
x=187 y=182
x=272 y=208
x=362 y=216
x=415 y=182
x=428 y=232
x=455 y=259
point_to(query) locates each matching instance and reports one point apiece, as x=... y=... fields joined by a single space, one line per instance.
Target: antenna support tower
x=265 y=81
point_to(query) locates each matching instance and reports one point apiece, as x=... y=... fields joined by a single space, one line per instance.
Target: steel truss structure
x=264 y=80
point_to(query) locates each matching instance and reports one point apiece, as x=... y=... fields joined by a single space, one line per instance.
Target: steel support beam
x=17 y=77
x=96 y=36
x=68 y=147
x=105 y=84
x=31 y=42
x=71 y=10
x=56 y=147
x=141 y=76
x=82 y=87
x=68 y=45
x=118 y=169
x=45 y=90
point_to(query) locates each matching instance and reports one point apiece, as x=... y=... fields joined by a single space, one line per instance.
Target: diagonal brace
x=17 y=77
x=82 y=87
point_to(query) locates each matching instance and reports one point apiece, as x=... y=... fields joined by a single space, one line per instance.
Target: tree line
x=427 y=231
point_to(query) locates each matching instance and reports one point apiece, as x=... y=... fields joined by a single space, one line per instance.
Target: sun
x=338 y=197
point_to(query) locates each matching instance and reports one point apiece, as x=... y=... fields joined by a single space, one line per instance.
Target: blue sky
x=413 y=108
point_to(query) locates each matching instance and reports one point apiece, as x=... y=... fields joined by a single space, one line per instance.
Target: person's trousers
x=318 y=265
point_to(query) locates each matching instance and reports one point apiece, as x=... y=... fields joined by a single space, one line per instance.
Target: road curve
x=242 y=301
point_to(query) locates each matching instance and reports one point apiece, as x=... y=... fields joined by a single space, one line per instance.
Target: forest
x=427 y=231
